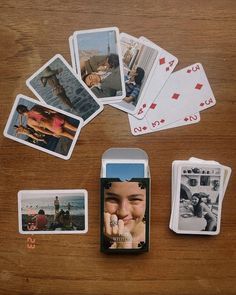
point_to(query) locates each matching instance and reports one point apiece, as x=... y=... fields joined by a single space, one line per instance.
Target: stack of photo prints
x=131 y=74
x=198 y=189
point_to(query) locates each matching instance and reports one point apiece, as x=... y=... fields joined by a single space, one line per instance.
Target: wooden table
x=195 y=31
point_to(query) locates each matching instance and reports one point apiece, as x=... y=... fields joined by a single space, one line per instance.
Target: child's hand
x=115 y=230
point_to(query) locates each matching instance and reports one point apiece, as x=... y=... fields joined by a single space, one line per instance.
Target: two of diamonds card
x=198 y=189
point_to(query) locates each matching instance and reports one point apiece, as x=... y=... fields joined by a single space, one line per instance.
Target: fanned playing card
x=164 y=67
x=186 y=92
x=139 y=62
x=97 y=57
x=56 y=84
x=139 y=127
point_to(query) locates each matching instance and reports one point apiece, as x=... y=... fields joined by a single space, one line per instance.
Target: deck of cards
x=131 y=74
x=125 y=201
x=198 y=189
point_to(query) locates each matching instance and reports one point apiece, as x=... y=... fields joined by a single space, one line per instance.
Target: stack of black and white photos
x=198 y=189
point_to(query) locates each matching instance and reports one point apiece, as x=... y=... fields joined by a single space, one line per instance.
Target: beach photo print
x=53 y=211
x=42 y=127
x=139 y=62
x=56 y=84
x=99 y=63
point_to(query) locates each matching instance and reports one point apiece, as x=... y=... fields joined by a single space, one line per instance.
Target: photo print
x=124 y=215
x=200 y=199
x=56 y=84
x=42 y=127
x=53 y=211
x=99 y=63
x=139 y=61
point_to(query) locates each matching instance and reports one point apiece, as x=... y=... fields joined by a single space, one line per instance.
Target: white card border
x=72 y=54
x=175 y=124
x=13 y=110
x=162 y=51
x=58 y=191
x=125 y=106
x=110 y=99
x=175 y=221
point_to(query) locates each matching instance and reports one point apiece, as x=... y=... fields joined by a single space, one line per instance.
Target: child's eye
x=111 y=200
x=136 y=200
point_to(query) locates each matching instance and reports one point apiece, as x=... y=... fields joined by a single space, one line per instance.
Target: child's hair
x=113 y=60
x=41 y=212
x=84 y=78
x=139 y=77
x=21 y=109
x=197 y=209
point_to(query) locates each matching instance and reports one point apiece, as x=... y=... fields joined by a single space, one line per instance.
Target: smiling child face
x=127 y=200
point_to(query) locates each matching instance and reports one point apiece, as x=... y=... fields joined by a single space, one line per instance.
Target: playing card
x=186 y=92
x=53 y=211
x=226 y=173
x=139 y=62
x=43 y=127
x=165 y=66
x=197 y=193
x=99 y=63
x=56 y=84
x=205 y=202
x=121 y=223
x=139 y=127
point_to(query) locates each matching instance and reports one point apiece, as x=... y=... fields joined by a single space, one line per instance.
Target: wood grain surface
x=31 y=32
